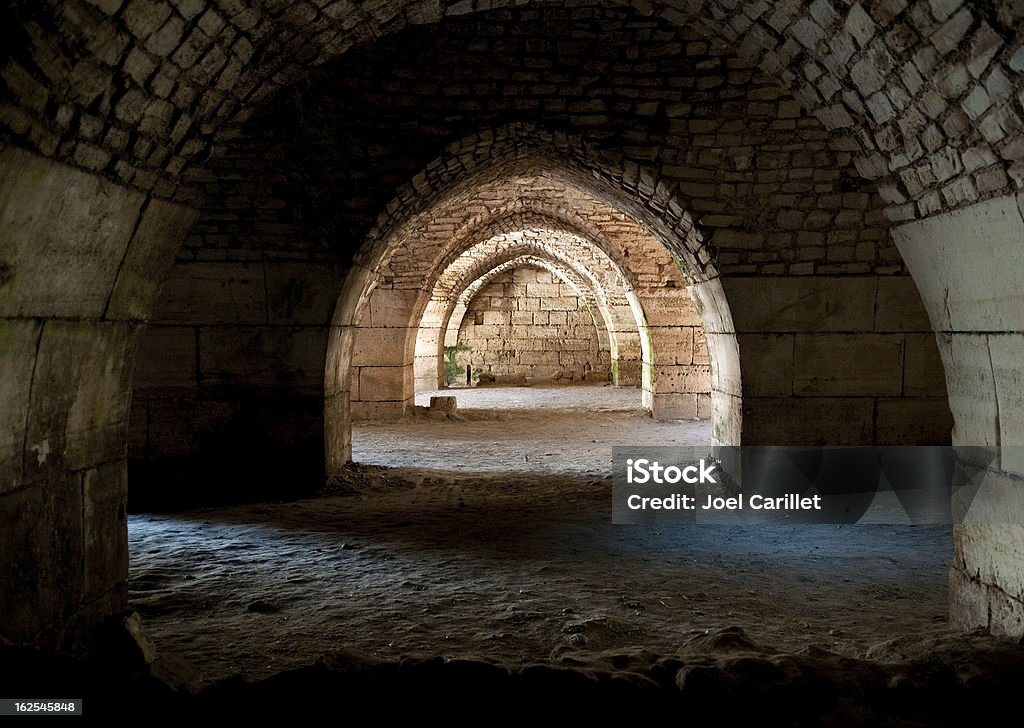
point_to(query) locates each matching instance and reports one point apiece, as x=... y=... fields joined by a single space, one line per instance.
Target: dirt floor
x=489 y=536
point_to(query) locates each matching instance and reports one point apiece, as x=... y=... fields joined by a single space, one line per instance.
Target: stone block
x=391 y=307
x=80 y=397
x=337 y=377
x=302 y=293
x=913 y=421
x=669 y=307
x=544 y=290
x=337 y=431
x=380 y=347
x=801 y=303
x=767 y=364
x=993 y=554
x=223 y=292
x=848 y=364
x=258 y=358
x=564 y=303
x=365 y=411
x=713 y=307
x=783 y=420
x=42 y=579
x=726 y=373
x=674 y=406
x=700 y=347
x=691 y=379
x=1006 y=614
x=672 y=345
x=1007 y=357
x=166 y=360
x=628 y=372
x=105 y=528
x=383 y=384
x=968 y=602
x=704 y=406
x=971 y=387
x=726 y=418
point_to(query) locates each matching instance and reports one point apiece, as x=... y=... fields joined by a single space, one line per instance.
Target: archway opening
x=601 y=265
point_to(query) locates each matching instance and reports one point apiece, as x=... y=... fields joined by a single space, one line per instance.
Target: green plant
x=453 y=371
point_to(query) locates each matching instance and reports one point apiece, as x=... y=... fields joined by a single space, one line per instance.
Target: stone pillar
x=81 y=262
x=382 y=362
x=969 y=265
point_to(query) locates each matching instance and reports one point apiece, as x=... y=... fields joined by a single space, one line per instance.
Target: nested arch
x=455 y=324
x=439 y=322
x=452 y=183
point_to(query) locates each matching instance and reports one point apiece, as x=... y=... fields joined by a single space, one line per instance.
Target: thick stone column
x=969 y=265
x=81 y=262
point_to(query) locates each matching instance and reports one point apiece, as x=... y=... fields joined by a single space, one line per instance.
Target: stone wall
x=529 y=322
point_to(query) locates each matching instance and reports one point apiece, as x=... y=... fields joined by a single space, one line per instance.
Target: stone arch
x=885 y=75
x=950 y=72
x=445 y=309
x=453 y=323
x=522 y=149
x=615 y=298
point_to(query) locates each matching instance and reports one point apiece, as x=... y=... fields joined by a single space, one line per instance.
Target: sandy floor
x=512 y=557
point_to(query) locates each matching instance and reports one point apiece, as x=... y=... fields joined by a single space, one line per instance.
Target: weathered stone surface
x=969 y=286
x=898 y=306
x=19 y=341
x=923 y=374
x=301 y=293
x=245 y=359
x=971 y=387
x=159 y=233
x=968 y=601
x=767 y=381
x=80 y=397
x=371 y=411
x=848 y=364
x=676 y=406
x=837 y=421
x=380 y=347
x=693 y=379
x=165 y=354
x=921 y=420
x=444 y=404
x=801 y=304
x=1007 y=357
x=381 y=384
x=66 y=233
x=213 y=293
x=105 y=528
